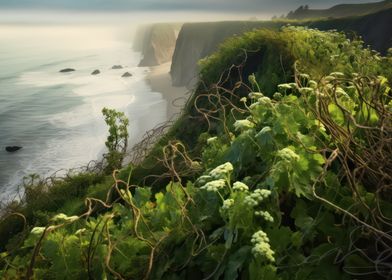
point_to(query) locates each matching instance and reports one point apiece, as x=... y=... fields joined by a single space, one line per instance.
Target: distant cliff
x=199 y=40
x=340 y=11
x=156 y=42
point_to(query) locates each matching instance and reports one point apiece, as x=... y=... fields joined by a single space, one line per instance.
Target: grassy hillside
x=340 y=11
x=278 y=169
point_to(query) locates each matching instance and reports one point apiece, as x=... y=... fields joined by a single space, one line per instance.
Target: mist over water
x=125 y=19
x=56 y=117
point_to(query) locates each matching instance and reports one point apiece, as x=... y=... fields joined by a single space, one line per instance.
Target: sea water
x=56 y=117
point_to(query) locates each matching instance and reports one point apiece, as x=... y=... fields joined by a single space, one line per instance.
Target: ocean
x=56 y=117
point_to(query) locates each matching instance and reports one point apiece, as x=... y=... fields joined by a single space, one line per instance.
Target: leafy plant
x=117 y=141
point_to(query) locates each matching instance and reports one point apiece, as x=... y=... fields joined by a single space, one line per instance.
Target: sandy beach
x=160 y=81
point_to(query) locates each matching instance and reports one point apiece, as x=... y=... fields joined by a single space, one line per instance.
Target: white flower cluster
x=261 y=246
x=252 y=79
x=214 y=186
x=227 y=204
x=216 y=179
x=304 y=76
x=277 y=96
x=221 y=171
x=312 y=84
x=255 y=95
x=337 y=74
x=80 y=231
x=196 y=165
x=256 y=197
x=212 y=140
x=264 y=131
x=264 y=100
x=243 y=124
x=250 y=201
x=38 y=230
x=64 y=218
x=288 y=155
x=341 y=92
x=265 y=215
x=202 y=180
x=306 y=90
x=284 y=87
x=241 y=187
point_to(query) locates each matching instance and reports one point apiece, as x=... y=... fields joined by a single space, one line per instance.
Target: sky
x=280 y=6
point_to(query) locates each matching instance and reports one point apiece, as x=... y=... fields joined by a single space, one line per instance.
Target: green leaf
x=142 y=196
x=336 y=114
x=280 y=238
x=258 y=271
x=265 y=137
x=229 y=237
x=236 y=262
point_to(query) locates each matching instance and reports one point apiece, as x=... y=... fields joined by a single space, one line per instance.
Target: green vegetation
x=117 y=141
x=280 y=168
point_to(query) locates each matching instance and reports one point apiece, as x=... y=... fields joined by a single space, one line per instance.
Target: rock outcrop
x=12 y=149
x=96 y=72
x=67 y=70
x=157 y=43
x=126 y=75
x=116 y=67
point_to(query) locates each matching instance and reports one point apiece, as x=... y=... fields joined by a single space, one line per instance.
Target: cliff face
x=198 y=40
x=157 y=43
x=339 y=11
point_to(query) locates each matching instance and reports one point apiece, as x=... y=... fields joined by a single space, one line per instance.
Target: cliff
x=242 y=186
x=340 y=11
x=199 y=40
x=156 y=42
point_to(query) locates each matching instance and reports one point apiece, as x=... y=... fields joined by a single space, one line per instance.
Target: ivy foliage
x=294 y=185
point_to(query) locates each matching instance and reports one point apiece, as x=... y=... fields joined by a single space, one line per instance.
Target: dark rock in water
x=12 y=149
x=96 y=72
x=67 y=70
x=117 y=67
x=126 y=75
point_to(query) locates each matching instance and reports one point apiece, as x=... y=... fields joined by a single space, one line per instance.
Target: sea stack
x=117 y=67
x=96 y=72
x=67 y=70
x=126 y=75
x=12 y=149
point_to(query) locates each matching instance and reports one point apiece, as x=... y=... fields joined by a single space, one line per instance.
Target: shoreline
x=159 y=80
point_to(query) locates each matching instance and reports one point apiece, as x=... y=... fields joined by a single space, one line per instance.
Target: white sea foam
x=61 y=137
